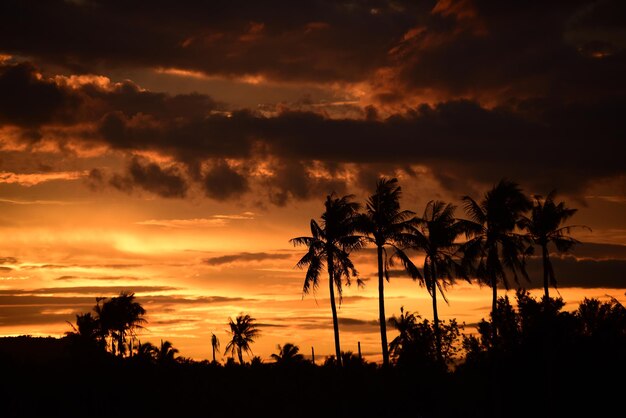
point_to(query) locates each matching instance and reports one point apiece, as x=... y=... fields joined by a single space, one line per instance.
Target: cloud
x=166 y=182
x=89 y=290
x=244 y=257
x=99 y=278
x=222 y=182
x=32 y=179
x=585 y=273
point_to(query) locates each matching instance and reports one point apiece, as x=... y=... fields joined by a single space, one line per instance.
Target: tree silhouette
x=215 y=345
x=147 y=351
x=545 y=226
x=495 y=247
x=436 y=234
x=405 y=324
x=330 y=245
x=386 y=226
x=288 y=354
x=166 y=353
x=243 y=332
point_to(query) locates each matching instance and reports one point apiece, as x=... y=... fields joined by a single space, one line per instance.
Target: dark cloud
x=222 y=182
x=8 y=260
x=165 y=182
x=599 y=251
x=321 y=40
x=572 y=272
x=27 y=100
x=244 y=257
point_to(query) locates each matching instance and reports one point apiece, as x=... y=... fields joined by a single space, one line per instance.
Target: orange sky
x=176 y=158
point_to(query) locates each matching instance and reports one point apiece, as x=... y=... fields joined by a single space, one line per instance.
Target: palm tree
x=329 y=246
x=544 y=226
x=147 y=351
x=495 y=247
x=436 y=234
x=243 y=331
x=288 y=354
x=166 y=353
x=386 y=226
x=405 y=324
x=215 y=345
x=118 y=317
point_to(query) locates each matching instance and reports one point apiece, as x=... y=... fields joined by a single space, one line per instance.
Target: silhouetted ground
x=43 y=377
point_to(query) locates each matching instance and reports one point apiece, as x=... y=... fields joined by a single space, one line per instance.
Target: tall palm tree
x=243 y=332
x=386 y=225
x=545 y=226
x=215 y=345
x=495 y=246
x=288 y=354
x=329 y=246
x=436 y=234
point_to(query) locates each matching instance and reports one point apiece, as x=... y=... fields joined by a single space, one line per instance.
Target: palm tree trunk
x=546 y=278
x=494 y=308
x=333 y=308
x=213 y=353
x=240 y=355
x=381 y=307
x=433 y=270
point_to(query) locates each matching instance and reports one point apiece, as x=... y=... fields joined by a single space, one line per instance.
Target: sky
x=174 y=148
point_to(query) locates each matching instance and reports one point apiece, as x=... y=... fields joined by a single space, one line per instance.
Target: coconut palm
x=288 y=354
x=386 y=225
x=329 y=246
x=243 y=332
x=147 y=351
x=435 y=234
x=495 y=246
x=215 y=345
x=545 y=226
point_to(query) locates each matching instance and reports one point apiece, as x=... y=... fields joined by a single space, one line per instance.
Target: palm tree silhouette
x=215 y=345
x=330 y=245
x=386 y=226
x=243 y=331
x=166 y=353
x=288 y=354
x=495 y=247
x=405 y=324
x=119 y=317
x=544 y=226
x=436 y=234
x=147 y=351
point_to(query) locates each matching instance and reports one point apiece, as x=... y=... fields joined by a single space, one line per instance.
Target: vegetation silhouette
x=495 y=246
x=330 y=245
x=386 y=225
x=545 y=226
x=288 y=354
x=435 y=233
x=243 y=332
x=215 y=345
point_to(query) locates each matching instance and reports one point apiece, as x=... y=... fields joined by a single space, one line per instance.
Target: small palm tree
x=244 y=332
x=147 y=351
x=329 y=246
x=386 y=225
x=405 y=324
x=119 y=317
x=288 y=354
x=166 y=353
x=215 y=345
x=495 y=246
x=545 y=226
x=436 y=234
